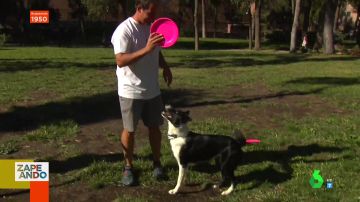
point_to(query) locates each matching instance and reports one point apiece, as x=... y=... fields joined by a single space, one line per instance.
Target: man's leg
x=127 y=143
x=130 y=112
x=152 y=119
x=155 y=143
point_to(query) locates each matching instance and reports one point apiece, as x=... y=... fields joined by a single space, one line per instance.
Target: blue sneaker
x=128 y=178
x=159 y=173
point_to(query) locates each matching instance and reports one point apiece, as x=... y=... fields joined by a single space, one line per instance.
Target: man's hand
x=167 y=76
x=154 y=40
x=124 y=59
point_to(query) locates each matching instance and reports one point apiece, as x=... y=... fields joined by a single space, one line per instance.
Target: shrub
x=3 y=39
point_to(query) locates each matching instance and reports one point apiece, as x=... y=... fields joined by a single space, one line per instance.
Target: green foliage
x=9 y=147
x=317 y=10
x=99 y=9
x=78 y=9
x=3 y=39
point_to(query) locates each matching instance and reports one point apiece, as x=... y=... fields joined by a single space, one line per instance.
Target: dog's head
x=176 y=117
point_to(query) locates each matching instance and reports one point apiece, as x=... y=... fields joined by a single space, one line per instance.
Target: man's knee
x=127 y=133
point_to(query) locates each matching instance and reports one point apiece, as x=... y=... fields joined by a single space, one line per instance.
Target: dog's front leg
x=181 y=176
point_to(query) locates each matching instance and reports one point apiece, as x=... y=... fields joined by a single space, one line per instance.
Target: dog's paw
x=173 y=191
x=226 y=192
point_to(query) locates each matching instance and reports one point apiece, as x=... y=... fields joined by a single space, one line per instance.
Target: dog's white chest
x=176 y=145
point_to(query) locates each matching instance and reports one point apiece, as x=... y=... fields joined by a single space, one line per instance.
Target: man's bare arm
x=125 y=59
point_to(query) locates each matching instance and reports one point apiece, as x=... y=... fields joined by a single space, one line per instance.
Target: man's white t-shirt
x=139 y=80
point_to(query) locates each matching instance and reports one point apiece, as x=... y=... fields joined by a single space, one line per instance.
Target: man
x=138 y=58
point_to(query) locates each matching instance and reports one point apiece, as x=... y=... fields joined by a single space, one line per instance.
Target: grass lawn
x=60 y=105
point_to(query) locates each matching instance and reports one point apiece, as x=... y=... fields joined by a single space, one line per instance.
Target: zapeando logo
x=31 y=171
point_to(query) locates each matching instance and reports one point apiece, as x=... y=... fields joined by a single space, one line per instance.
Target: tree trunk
x=306 y=12
x=337 y=14
x=250 y=29
x=328 y=35
x=82 y=26
x=253 y=10
x=215 y=22
x=295 y=26
x=196 y=25
x=357 y=24
x=203 y=21
x=319 y=31
x=258 y=25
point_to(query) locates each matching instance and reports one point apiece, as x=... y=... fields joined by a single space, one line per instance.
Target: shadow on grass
x=212 y=45
x=195 y=103
x=102 y=107
x=82 y=110
x=283 y=157
x=187 y=60
x=13 y=65
x=82 y=161
x=242 y=61
x=336 y=81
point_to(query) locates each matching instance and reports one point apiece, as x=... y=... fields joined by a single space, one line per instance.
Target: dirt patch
x=81 y=192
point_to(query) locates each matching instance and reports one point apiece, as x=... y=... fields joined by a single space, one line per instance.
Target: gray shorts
x=132 y=110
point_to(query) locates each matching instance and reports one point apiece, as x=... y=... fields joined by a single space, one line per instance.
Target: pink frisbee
x=252 y=141
x=168 y=29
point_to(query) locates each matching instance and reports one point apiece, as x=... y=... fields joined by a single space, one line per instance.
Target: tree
x=295 y=26
x=293 y=6
x=203 y=20
x=317 y=16
x=78 y=11
x=8 y=8
x=196 y=32
x=328 y=35
x=337 y=14
x=356 y=4
x=258 y=5
x=250 y=7
x=100 y=9
x=307 y=8
x=215 y=4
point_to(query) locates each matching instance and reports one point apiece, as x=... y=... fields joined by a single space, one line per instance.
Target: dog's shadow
x=270 y=174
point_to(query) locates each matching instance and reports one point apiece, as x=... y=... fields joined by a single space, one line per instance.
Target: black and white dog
x=189 y=147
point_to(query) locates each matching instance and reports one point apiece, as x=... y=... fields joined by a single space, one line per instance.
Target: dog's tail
x=240 y=138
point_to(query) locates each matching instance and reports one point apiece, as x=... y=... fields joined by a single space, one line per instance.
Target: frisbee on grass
x=252 y=141
x=168 y=29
